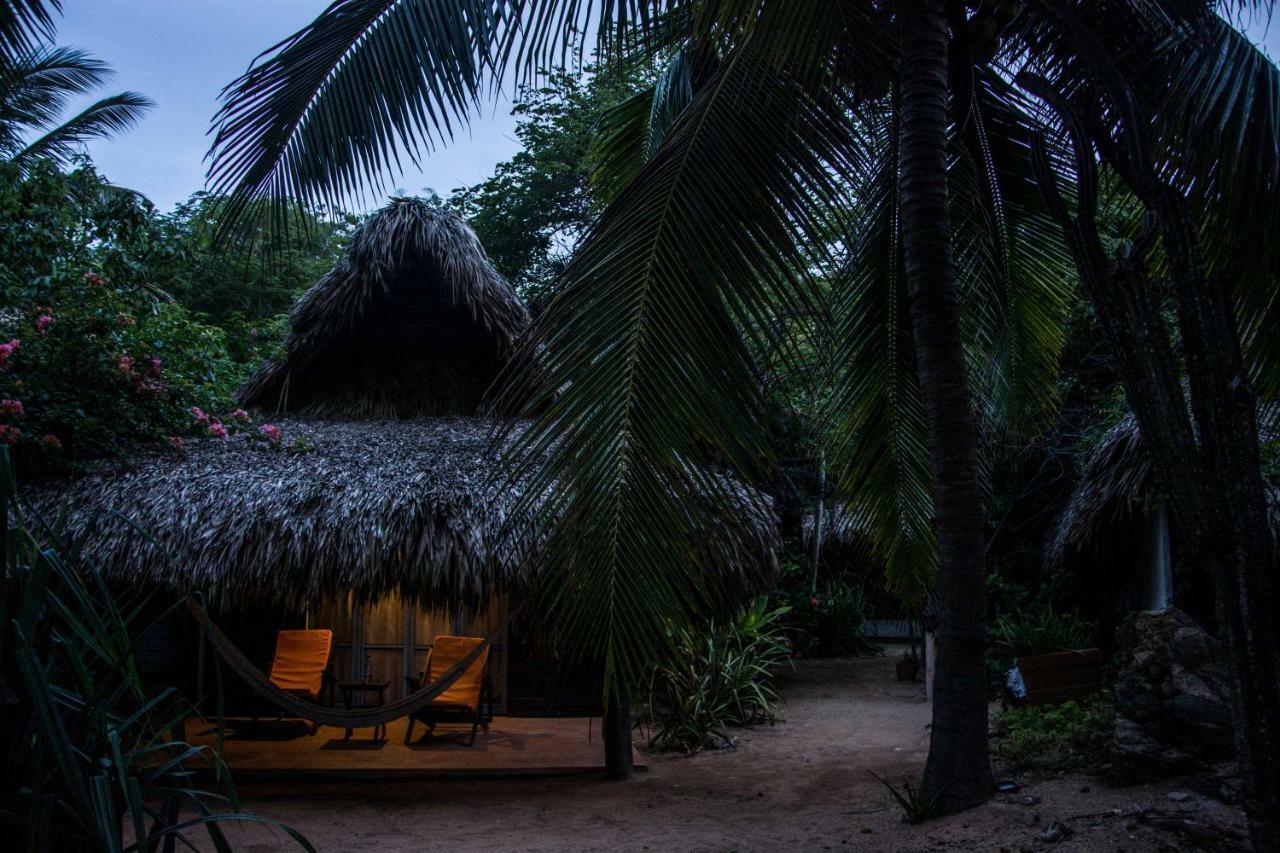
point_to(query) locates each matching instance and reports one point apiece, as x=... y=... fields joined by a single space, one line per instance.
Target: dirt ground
x=800 y=785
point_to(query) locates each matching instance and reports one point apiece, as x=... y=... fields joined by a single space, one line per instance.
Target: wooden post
x=616 y=733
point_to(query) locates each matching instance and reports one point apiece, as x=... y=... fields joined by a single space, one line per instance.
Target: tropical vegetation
x=920 y=148
x=901 y=264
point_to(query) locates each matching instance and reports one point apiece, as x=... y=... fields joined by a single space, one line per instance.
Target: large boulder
x=1173 y=709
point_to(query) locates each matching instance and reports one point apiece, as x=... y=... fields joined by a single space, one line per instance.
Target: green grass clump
x=1055 y=737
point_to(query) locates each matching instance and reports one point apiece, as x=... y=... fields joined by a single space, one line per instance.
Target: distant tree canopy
x=531 y=213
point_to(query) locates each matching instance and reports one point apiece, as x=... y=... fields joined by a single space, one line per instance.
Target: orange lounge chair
x=464 y=700
x=301 y=662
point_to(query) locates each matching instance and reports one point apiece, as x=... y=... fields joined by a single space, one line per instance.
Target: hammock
x=323 y=714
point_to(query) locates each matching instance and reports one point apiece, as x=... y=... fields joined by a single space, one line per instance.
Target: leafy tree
x=537 y=206
x=95 y=356
x=244 y=287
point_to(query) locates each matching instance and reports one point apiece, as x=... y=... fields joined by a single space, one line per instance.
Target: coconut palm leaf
x=879 y=454
x=102 y=119
x=24 y=24
x=643 y=360
x=35 y=89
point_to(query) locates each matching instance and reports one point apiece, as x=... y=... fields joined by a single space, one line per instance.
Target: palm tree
x=36 y=84
x=35 y=88
x=755 y=173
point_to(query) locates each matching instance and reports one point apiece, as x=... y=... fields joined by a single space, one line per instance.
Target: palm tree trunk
x=958 y=771
x=618 y=760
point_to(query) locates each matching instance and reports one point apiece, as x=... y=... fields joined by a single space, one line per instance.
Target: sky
x=180 y=53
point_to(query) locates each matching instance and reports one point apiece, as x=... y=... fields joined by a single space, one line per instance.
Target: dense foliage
x=117 y=320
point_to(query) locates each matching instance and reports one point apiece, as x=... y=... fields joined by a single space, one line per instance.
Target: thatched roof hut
x=413 y=321
x=382 y=481
x=1117 y=488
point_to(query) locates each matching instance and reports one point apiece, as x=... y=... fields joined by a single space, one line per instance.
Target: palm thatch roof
x=381 y=483
x=369 y=507
x=1118 y=485
x=413 y=321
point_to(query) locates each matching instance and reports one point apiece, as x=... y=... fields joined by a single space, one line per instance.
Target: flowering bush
x=96 y=366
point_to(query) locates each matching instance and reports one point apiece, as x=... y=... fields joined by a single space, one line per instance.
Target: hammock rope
x=323 y=714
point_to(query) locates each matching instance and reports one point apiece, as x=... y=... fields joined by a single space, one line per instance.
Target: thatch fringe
x=376 y=507
x=413 y=321
x=1118 y=484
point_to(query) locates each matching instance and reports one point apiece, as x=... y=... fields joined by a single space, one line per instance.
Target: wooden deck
x=513 y=746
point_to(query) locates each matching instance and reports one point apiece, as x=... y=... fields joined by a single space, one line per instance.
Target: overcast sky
x=180 y=53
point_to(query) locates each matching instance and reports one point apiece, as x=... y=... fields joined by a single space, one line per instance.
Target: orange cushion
x=301 y=657
x=446 y=652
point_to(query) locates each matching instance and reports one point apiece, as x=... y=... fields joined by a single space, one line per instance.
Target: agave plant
x=94 y=756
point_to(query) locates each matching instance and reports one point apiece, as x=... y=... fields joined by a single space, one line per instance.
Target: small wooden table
x=349 y=691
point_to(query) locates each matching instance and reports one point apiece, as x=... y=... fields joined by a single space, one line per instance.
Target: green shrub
x=1038 y=630
x=1055 y=737
x=718 y=678
x=830 y=623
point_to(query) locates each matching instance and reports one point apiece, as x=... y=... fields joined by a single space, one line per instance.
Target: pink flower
x=42 y=323
x=217 y=430
x=10 y=434
x=813 y=601
x=125 y=364
x=155 y=369
x=7 y=350
x=198 y=414
x=240 y=414
x=11 y=408
x=175 y=441
x=51 y=441
x=271 y=432
x=146 y=385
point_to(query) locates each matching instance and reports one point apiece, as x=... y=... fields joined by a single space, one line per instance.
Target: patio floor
x=513 y=746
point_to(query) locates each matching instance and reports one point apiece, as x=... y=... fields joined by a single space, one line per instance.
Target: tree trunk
x=1210 y=469
x=618 y=762
x=958 y=771
x=815 y=554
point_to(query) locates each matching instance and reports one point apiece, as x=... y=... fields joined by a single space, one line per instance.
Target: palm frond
x=1014 y=271
x=24 y=24
x=641 y=365
x=103 y=118
x=876 y=415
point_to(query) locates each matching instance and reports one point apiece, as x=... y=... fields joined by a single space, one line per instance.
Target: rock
x=1172 y=708
x=1055 y=831
x=1179 y=796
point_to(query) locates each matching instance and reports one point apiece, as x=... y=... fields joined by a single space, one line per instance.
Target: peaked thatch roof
x=413 y=321
x=1116 y=487
x=372 y=507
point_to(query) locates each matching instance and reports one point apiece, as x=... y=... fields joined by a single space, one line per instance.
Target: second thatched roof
x=1117 y=486
x=413 y=321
